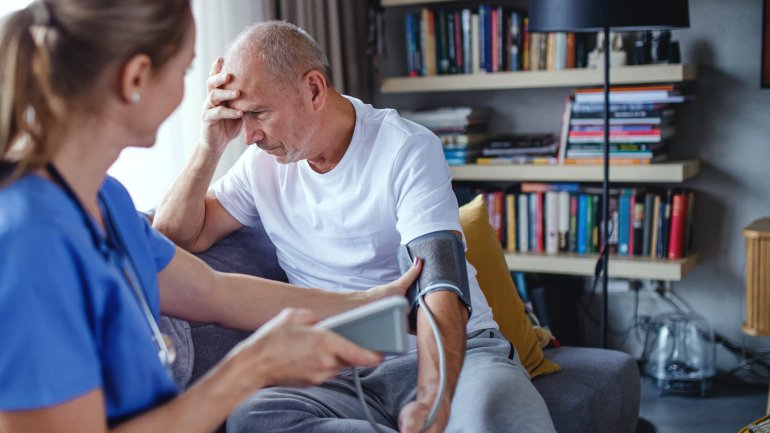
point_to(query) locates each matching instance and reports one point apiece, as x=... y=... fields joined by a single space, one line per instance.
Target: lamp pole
x=605 y=242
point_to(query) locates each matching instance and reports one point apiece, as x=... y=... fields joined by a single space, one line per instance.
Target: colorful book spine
x=510 y=222
x=523 y=211
x=563 y=224
x=582 y=223
x=623 y=226
x=647 y=224
x=654 y=239
x=676 y=240
x=573 y=225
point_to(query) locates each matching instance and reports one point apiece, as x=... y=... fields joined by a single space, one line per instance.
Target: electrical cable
x=441 y=360
x=441 y=363
x=360 y=392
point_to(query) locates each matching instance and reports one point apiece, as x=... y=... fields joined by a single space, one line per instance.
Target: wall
x=727 y=128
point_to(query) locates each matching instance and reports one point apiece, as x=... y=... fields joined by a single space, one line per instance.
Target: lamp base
x=698 y=387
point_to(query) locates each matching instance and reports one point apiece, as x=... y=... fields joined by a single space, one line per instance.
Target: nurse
x=83 y=277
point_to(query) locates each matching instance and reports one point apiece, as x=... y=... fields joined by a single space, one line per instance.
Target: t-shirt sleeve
x=424 y=198
x=234 y=190
x=49 y=354
x=161 y=247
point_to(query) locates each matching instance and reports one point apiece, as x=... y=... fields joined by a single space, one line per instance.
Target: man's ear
x=316 y=87
x=134 y=77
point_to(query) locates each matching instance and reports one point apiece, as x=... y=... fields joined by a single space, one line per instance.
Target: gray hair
x=286 y=51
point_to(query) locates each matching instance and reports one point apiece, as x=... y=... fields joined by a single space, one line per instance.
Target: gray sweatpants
x=494 y=394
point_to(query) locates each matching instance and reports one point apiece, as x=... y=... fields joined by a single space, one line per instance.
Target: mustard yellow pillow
x=486 y=254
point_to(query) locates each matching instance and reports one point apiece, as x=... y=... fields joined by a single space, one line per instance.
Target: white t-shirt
x=341 y=230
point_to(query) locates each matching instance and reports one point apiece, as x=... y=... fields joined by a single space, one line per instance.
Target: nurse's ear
x=134 y=77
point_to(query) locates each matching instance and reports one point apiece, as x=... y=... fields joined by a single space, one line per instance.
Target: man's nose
x=252 y=133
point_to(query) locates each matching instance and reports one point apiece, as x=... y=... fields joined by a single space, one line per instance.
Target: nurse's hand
x=397 y=287
x=289 y=351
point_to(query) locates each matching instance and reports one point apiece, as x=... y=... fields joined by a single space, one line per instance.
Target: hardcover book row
x=566 y=218
x=485 y=39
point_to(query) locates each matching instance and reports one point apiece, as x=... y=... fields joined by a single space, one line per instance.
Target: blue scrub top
x=69 y=322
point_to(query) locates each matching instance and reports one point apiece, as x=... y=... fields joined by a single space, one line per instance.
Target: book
x=429 y=41
x=582 y=223
x=564 y=220
x=620 y=137
x=573 y=227
x=543 y=187
x=595 y=213
x=614 y=222
x=638 y=229
x=624 y=217
x=655 y=226
x=517 y=160
x=631 y=94
x=510 y=222
x=678 y=228
x=647 y=224
x=551 y=222
x=523 y=220
x=614 y=161
x=447 y=119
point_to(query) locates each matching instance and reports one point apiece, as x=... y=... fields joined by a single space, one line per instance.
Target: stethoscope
x=114 y=240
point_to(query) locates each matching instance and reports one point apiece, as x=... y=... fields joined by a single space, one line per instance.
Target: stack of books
x=462 y=130
x=520 y=149
x=641 y=124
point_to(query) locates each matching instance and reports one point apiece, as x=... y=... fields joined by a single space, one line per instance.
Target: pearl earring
x=135 y=97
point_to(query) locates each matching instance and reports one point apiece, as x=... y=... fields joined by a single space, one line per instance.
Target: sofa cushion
x=200 y=346
x=486 y=254
x=247 y=251
x=596 y=391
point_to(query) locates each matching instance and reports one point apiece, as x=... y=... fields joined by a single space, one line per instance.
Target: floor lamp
x=606 y=15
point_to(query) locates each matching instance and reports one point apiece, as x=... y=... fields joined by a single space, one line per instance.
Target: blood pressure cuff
x=443 y=268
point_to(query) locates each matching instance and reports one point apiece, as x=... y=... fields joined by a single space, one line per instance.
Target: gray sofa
x=597 y=390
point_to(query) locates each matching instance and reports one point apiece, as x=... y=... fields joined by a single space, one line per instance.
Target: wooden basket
x=757 y=236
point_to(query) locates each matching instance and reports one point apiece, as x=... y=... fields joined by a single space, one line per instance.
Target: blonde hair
x=55 y=50
x=286 y=51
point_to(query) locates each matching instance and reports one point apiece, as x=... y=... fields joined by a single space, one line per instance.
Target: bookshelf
x=666 y=172
x=619 y=267
x=539 y=79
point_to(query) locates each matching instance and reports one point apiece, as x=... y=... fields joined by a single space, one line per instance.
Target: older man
x=339 y=185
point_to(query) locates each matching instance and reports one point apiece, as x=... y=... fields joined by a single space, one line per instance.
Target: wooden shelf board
x=664 y=172
x=619 y=267
x=391 y=3
x=538 y=79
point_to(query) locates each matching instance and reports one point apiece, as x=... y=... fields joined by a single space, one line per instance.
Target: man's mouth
x=267 y=146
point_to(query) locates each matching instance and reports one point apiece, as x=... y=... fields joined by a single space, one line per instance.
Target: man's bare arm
x=190 y=214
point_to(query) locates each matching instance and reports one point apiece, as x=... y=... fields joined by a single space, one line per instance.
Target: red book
x=497 y=214
x=678 y=226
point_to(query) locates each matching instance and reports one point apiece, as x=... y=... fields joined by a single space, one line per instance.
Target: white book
x=523 y=209
x=552 y=222
x=475 y=60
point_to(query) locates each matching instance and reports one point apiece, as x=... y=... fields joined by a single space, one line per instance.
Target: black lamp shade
x=595 y=15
